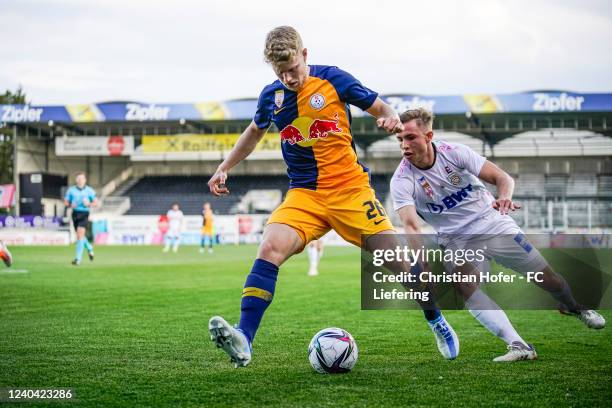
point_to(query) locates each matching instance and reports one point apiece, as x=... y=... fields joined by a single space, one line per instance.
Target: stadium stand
x=155 y=194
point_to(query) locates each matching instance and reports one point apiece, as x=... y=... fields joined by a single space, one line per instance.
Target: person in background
x=207 y=228
x=81 y=198
x=315 y=252
x=175 y=224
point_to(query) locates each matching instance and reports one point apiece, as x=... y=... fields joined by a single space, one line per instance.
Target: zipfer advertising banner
x=528 y=102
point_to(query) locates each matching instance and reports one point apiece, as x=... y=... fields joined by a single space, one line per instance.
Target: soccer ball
x=333 y=351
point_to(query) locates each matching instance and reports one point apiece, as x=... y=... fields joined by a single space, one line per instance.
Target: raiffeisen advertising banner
x=528 y=102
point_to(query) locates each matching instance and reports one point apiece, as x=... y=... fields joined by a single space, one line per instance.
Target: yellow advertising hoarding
x=203 y=143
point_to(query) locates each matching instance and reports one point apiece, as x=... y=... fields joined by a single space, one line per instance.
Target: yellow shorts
x=206 y=231
x=352 y=212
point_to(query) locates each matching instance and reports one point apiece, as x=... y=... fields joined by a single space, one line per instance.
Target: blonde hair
x=423 y=117
x=282 y=44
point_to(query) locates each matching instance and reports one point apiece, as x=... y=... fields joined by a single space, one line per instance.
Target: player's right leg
x=80 y=245
x=494 y=319
x=5 y=254
x=169 y=239
x=279 y=242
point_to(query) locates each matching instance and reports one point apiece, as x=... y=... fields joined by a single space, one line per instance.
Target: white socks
x=313 y=256
x=491 y=316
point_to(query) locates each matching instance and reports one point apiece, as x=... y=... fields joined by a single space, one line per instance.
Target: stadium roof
x=244 y=109
x=489 y=117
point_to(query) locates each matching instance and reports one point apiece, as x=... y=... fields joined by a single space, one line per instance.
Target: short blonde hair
x=423 y=117
x=282 y=44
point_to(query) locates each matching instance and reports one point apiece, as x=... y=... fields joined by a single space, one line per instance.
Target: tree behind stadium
x=6 y=136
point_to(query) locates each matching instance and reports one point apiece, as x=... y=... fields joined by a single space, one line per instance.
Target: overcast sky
x=82 y=51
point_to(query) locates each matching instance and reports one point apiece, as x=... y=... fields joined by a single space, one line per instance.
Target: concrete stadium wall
x=39 y=156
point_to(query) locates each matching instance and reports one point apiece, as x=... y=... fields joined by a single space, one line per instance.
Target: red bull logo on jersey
x=305 y=131
x=450 y=201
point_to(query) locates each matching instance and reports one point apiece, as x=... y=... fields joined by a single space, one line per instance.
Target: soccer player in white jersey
x=315 y=252
x=440 y=182
x=175 y=226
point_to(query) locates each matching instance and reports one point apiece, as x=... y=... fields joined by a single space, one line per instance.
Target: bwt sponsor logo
x=24 y=114
x=132 y=239
x=544 y=102
x=451 y=200
x=402 y=104
x=139 y=112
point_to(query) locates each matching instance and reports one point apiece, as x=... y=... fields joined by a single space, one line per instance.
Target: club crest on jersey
x=317 y=101
x=455 y=179
x=426 y=186
x=279 y=97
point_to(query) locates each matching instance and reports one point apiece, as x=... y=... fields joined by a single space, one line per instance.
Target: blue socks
x=88 y=246
x=257 y=295
x=79 y=250
x=80 y=244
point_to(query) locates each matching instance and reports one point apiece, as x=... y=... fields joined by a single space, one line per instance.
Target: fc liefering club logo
x=454 y=179
x=317 y=101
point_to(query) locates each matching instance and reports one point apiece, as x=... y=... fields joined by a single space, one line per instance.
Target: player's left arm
x=492 y=174
x=386 y=117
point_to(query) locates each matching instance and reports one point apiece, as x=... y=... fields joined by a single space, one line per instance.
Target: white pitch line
x=8 y=271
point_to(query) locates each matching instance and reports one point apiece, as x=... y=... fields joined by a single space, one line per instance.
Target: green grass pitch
x=130 y=330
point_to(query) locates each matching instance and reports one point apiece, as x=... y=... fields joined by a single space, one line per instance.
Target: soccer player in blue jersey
x=329 y=187
x=81 y=198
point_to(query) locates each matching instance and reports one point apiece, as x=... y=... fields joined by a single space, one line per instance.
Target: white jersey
x=449 y=196
x=175 y=220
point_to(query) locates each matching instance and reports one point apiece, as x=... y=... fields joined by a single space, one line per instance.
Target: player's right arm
x=492 y=174
x=244 y=146
x=68 y=198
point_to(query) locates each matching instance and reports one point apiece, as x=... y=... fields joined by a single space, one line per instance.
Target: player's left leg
x=177 y=241
x=298 y=220
x=559 y=289
x=517 y=253
x=210 y=243
x=280 y=241
x=88 y=247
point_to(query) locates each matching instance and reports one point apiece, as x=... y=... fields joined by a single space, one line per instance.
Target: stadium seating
x=155 y=194
x=570 y=194
x=604 y=185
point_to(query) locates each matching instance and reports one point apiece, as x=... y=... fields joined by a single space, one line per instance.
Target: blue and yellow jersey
x=75 y=196
x=315 y=127
x=207 y=222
